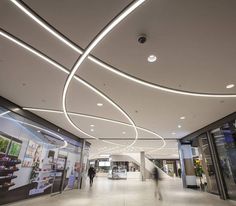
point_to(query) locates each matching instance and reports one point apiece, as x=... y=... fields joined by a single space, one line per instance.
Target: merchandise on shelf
x=43 y=176
x=7 y=168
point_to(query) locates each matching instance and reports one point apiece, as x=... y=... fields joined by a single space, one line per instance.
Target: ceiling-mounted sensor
x=142 y=38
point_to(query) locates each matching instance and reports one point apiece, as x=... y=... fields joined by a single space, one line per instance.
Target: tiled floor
x=128 y=193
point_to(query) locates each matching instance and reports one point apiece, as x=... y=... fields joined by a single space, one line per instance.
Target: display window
x=34 y=160
x=225 y=142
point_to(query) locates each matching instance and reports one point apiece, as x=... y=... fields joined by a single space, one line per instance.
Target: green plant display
x=199 y=171
x=14 y=149
x=198 y=168
x=4 y=142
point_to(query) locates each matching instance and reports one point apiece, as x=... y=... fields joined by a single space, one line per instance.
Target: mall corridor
x=128 y=193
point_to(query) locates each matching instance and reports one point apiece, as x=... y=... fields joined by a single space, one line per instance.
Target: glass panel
x=225 y=140
x=208 y=176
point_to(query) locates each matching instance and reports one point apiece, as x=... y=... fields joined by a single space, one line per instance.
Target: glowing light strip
x=100 y=118
x=45 y=26
x=106 y=66
x=90 y=47
x=34 y=51
x=40 y=128
x=2 y=114
x=60 y=67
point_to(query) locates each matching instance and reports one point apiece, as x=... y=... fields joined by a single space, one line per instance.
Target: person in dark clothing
x=91 y=174
x=156 y=177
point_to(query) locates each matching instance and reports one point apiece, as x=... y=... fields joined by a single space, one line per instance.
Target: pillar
x=142 y=166
x=187 y=167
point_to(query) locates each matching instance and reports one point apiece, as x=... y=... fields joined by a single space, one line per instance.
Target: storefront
x=169 y=166
x=36 y=158
x=212 y=158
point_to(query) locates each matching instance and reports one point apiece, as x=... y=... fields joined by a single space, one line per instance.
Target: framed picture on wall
x=4 y=144
x=32 y=154
x=14 y=149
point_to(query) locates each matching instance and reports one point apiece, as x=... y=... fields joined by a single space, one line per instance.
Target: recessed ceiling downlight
x=124 y=132
x=92 y=130
x=183 y=117
x=91 y=125
x=229 y=86
x=100 y=104
x=152 y=58
x=179 y=126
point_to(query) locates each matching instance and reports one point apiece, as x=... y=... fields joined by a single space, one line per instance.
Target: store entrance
x=204 y=168
x=59 y=182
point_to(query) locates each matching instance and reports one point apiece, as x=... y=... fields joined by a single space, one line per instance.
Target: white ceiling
x=195 y=42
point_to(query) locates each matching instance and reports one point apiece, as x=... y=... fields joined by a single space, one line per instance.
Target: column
x=187 y=168
x=142 y=166
x=80 y=176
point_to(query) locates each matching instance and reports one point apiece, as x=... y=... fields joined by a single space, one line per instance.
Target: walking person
x=156 y=177
x=91 y=174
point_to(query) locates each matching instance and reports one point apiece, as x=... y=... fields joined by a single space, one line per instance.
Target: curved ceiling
x=193 y=40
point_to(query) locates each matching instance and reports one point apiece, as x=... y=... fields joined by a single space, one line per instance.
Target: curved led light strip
x=40 y=128
x=88 y=50
x=99 y=118
x=62 y=68
x=68 y=42
x=4 y=113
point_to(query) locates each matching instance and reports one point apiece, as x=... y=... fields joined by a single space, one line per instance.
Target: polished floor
x=106 y=192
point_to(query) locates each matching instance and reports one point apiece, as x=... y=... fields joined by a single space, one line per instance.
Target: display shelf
x=44 y=177
x=7 y=185
x=42 y=172
x=7 y=168
x=10 y=161
x=6 y=171
x=45 y=187
x=45 y=180
x=2 y=178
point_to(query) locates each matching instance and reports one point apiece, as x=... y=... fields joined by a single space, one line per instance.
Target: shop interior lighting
x=100 y=104
x=69 y=43
x=183 y=117
x=41 y=129
x=179 y=126
x=7 y=112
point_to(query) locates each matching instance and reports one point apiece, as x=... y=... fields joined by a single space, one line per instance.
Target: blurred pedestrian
x=156 y=177
x=91 y=174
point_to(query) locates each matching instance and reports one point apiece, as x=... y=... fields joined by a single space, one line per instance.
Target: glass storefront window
x=225 y=141
x=209 y=176
x=34 y=160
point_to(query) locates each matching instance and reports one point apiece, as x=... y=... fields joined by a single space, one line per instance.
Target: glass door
x=208 y=176
x=225 y=141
